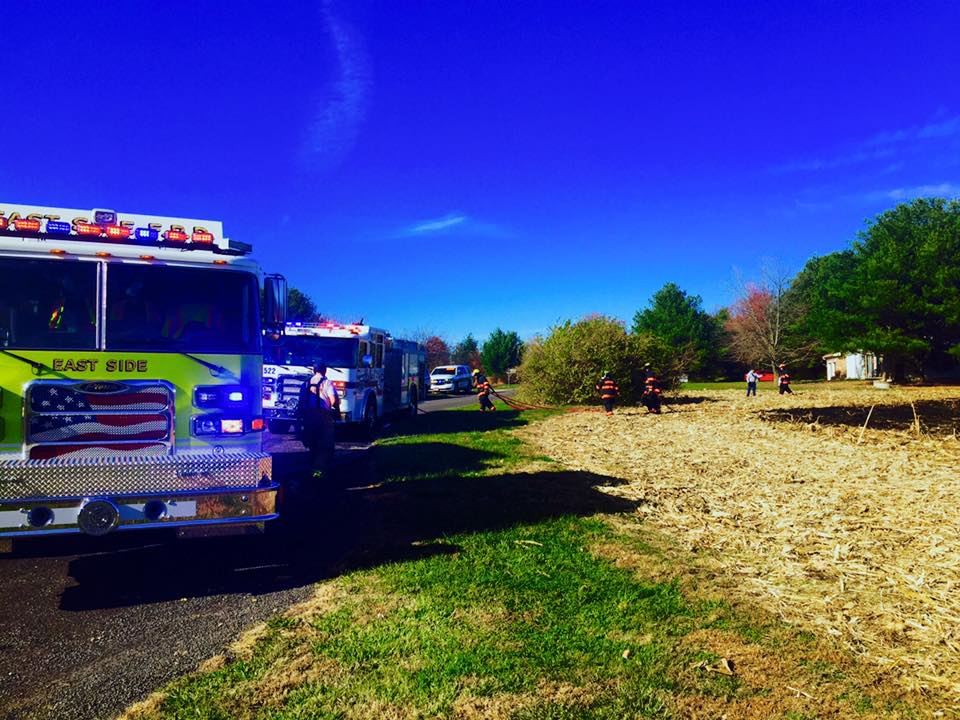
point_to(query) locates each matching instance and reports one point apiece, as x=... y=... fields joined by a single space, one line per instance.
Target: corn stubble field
x=848 y=531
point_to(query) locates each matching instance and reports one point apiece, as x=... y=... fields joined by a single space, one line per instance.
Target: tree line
x=894 y=292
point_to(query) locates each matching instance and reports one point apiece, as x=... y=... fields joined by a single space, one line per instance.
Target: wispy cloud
x=437 y=224
x=459 y=223
x=939 y=129
x=909 y=193
x=343 y=104
x=842 y=160
x=877 y=147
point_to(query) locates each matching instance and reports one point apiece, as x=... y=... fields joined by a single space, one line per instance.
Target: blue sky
x=454 y=166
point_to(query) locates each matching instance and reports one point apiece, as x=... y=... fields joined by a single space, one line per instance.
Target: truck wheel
x=370 y=420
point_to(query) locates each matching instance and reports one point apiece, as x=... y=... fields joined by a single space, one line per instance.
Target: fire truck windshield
x=52 y=305
x=175 y=309
x=48 y=304
x=305 y=350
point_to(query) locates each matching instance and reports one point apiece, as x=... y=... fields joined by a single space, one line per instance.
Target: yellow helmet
x=476 y=371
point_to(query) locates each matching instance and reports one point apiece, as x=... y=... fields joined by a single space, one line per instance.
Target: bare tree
x=765 y=321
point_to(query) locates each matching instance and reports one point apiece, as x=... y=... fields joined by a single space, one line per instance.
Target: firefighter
x=652 y=396
x=609 y=392
x=318 y=407
x=484 y=390
x=783 y=380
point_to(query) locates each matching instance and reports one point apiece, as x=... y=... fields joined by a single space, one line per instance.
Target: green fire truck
x=130 y=373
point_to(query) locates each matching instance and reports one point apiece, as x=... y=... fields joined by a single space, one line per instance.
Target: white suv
x=451 y=378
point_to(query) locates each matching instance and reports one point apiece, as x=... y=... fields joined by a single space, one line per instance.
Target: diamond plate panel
x=83 y=477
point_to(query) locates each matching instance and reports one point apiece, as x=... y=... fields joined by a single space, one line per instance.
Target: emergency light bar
x=109 y=226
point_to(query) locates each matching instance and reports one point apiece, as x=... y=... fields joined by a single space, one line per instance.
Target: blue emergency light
x=58 y=227
x=146 y=235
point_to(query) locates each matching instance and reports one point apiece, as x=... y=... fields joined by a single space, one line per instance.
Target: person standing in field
x=484 y=391
x=752 y=377
x=783 y=380
x=609 y=392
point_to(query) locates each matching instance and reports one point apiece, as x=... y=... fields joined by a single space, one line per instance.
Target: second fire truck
x=374 y=373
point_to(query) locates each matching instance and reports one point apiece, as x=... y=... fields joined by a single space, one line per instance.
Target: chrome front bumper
x=41 y=497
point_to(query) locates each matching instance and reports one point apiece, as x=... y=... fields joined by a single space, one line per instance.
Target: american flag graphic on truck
x=72 y=420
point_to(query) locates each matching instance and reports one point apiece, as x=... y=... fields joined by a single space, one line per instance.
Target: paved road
x=90 y=626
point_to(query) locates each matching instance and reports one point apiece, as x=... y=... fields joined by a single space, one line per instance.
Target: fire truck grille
x=74 y=420
x=288 y=390
x=117 y=476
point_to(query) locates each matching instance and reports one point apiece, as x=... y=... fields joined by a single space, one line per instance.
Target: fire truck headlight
x=231 y=426
x=221 y=396
x=206 y=426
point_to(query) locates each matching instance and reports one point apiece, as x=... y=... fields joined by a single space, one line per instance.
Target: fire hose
x=517 y=405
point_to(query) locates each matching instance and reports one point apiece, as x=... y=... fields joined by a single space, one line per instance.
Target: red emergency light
x=88 y=229
x=118 y=232
x=204 y=238
x=175 y=236
x=3 y=223
x=26 y=225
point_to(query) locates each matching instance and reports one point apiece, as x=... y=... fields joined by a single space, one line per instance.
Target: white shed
x=851 y=366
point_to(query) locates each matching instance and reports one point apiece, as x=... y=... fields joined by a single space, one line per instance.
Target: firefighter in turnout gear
x=652 y=396
x=609 y=392
x=317 y=408
x=484 y=390
x=783 y=380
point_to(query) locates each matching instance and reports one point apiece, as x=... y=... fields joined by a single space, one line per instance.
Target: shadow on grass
x=939 y=417
x=437 y=459
x=457 y=421
x=354 y=522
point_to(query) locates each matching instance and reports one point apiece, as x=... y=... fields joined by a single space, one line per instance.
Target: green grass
x=462 y=442
x=512 y=611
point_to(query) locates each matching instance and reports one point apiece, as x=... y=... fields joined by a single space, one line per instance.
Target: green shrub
x=564 y=367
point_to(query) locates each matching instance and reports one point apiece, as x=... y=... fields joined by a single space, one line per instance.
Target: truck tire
x=370 y=420
x=414 y=396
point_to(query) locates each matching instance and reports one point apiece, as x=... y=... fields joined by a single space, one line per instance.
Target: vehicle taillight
x=256 y=424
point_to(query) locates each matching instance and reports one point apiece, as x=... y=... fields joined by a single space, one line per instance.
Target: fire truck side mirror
x=274 y=303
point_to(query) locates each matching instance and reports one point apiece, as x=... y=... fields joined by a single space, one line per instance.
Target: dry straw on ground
x=856 y=540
